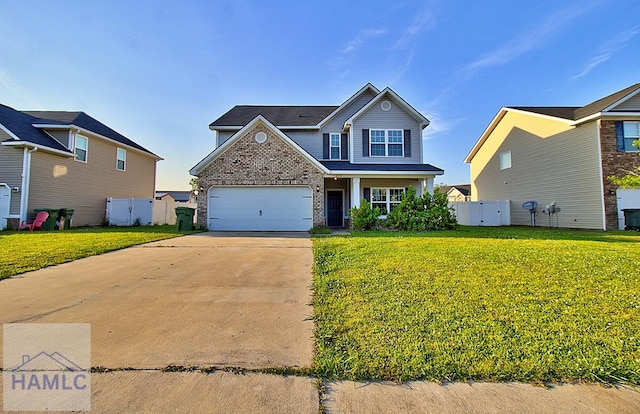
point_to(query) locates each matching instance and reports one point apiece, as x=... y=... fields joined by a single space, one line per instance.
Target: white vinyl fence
x=164 y=211
x=626 y=198
x=128 y=211
x=483 y=213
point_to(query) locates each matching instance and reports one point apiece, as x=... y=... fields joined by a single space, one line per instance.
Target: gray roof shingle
x=574 y=113
x=20 y=125
x=241 y=115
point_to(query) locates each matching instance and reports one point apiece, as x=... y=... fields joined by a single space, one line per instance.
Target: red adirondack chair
x=41 y=217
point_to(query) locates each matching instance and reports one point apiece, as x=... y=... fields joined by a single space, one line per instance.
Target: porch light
x=317 y=188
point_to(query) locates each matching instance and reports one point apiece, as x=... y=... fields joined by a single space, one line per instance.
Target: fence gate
x=128 y=211
x=483 y=213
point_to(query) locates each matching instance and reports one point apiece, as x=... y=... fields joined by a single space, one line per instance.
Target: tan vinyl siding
x=58 y=182
x=61 y=136
x=632 y=104
x=551 y=162
x=11 y=172
x=395 y=118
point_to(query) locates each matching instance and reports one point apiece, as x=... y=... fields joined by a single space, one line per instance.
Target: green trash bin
x=50 y=224
x=631 y=218
x=184 y=218
x=67 y=213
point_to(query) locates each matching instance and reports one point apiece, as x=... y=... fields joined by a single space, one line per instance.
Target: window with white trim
x=334 y=146
x=121 y=159
x=386 y=142
x=386 y=199
x=631 y=131
x=505 y=160
x=81 y=148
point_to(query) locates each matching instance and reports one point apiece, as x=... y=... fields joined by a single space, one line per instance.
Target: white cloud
x=425 y=20
x=357 y=42
x=23 y=98
x=607 y=50
x=526 y=42
x=439 y=125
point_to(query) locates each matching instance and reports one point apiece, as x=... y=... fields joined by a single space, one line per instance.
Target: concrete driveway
x=224 y=300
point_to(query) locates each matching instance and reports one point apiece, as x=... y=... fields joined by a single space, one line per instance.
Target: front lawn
x=24 y=251
x=496 y=304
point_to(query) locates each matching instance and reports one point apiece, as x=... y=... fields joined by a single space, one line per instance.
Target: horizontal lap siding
x=389 y=183
x=11 y=171
x=58 y=182
x=632 y=104
x=395 y=118
x=551 y=162
x=61 y=136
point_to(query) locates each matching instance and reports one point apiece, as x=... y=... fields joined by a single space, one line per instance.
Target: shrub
x=429 y=212
x=364 y=217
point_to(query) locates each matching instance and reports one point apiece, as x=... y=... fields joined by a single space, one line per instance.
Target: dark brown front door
x=334 y=209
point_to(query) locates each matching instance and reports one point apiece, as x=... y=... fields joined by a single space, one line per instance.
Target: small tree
x=194 y=183
x=632 y=179
x=429 y=212
x=364 y=217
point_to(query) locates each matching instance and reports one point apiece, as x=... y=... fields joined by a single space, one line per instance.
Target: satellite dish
x=530 y=205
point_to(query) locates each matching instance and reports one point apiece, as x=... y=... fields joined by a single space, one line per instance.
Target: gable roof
x=464 y=189
x=573 y=115
x=240 y=115
x=20 y=126
x=65 y=119
x=228 y=143
x=404 y=104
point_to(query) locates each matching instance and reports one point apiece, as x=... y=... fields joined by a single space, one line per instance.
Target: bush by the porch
x=424 y=213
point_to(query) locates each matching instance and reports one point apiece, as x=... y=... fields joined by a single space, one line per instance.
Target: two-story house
x=295 y=167
x=562 y=155
x=54 y=159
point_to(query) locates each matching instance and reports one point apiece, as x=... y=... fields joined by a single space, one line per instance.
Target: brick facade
x=273 y=162
x=613 y=163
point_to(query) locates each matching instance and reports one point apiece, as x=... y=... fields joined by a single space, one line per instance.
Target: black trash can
x=631 y=218
x=50 y=224
x=184 y=218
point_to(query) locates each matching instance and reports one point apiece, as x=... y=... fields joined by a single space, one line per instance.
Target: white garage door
x=272 y=208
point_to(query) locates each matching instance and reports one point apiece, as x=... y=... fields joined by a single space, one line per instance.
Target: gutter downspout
x=26 y=177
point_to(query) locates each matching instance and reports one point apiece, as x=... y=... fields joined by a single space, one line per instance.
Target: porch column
x=421 y=184
x=355 y=192
x=429 y=185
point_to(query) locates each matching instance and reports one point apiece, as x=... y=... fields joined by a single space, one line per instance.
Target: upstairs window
x=334 y=147
x=386 y=143
x=121 y=159
x=631 y=133
x=505 y=160
x=81 y=148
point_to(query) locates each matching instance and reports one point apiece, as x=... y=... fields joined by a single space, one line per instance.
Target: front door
x=334 y=209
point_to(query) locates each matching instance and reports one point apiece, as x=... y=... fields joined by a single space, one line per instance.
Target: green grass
x=495 y=304
x=24 y=251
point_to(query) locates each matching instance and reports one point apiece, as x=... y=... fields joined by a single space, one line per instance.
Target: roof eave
x=384 y=173
x=485 y=134
x=406 y=106
x=368 y=86
x=38 y=146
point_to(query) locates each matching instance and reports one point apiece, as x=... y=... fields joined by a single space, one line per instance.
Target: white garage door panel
x=275 y=208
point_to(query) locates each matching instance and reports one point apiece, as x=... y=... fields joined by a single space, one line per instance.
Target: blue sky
x=160 y=71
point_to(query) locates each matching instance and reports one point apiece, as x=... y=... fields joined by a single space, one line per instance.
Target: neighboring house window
x=81 y=148
x=505 y=160
x=386 y=143
x=631 y=134
x=334 y=149
x=121 y=159
x=386 y=199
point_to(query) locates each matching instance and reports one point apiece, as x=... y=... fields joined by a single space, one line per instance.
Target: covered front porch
x=383 y=191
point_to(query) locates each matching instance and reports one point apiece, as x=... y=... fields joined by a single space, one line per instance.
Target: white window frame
x=331 y=146
x=633 y=138
x=505 y=160
x=386 y=143
x=124 y=160
x=388 y=202
x=85 y=149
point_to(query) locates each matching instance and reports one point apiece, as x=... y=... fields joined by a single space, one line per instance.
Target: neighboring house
x=295 y=167
x=68 y=160
x=177 y=196
x=457 y=193
x=559 y=154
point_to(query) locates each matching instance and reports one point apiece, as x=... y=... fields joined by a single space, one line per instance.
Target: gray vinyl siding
x=632 y=104
x=395 y=118
x=563 y=168
x=61 y=136
x=58 y=182
x=311 y=141
x=224 y=136
x=389 y=183
x=11 y=172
